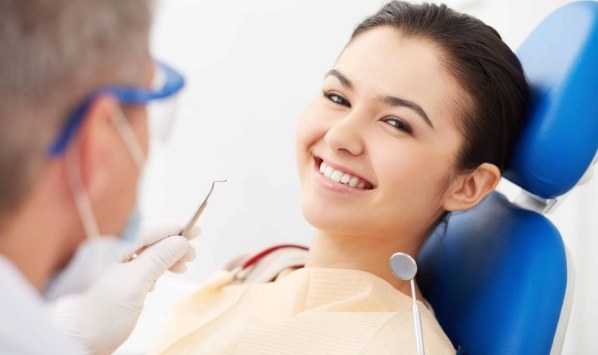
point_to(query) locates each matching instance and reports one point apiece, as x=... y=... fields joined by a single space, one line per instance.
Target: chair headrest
x=496 y=278
x=560 y=138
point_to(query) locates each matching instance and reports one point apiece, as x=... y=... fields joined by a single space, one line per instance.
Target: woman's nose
x=346 y=134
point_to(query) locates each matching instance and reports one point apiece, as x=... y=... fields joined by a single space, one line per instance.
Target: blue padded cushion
x=560 y=59
x=496 y=278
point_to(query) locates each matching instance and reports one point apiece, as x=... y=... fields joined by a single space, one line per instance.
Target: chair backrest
x=496 y=275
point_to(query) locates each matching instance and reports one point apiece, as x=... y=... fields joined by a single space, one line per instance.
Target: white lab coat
x=26 y=325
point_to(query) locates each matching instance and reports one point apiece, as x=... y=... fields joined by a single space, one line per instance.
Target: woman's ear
x=470 y=188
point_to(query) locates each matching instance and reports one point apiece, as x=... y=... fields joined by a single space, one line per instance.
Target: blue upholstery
x=496 y=279
x=496 y=275
x=561 y=63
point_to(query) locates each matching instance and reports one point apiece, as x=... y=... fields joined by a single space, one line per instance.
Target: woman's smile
x=339 y=178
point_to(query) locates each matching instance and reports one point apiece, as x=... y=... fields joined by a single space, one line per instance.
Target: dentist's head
x=73 y=138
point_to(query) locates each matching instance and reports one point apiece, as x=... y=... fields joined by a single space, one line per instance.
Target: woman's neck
x=361 y=253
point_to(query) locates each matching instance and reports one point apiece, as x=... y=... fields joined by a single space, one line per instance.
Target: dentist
x=76 y=79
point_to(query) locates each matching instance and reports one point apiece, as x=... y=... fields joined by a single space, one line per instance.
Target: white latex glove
x=104 y=316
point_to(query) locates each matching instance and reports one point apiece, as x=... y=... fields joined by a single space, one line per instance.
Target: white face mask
x=96 y=254
x=92 y=259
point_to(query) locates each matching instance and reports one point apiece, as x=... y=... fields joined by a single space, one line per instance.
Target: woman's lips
x=340 y=175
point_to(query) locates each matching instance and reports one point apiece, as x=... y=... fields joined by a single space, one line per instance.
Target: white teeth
x=341 y=177
x=336 y=176
x=328 y=171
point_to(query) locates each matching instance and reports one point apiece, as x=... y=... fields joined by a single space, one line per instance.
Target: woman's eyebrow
x=343 y=79
x=395 y=101
x=388 y=100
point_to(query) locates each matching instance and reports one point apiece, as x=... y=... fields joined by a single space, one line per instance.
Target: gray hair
x=54 y=53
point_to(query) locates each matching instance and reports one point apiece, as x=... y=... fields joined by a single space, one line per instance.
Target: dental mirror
x=404 y=267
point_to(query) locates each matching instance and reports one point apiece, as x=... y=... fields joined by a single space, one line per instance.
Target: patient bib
x=308 y=311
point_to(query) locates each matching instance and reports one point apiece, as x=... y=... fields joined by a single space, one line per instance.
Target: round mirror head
x=403 y=266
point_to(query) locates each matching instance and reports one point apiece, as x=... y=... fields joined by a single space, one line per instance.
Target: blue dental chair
x=497 y=275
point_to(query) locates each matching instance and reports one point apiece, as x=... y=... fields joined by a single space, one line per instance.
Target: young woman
x=416 y=119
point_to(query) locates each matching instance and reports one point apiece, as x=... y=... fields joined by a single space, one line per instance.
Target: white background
x=252 y=67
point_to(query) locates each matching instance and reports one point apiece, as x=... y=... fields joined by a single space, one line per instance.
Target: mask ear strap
x=82 y=202
x=128 y=135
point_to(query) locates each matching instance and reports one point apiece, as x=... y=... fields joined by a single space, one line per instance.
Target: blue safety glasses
x=167 y=83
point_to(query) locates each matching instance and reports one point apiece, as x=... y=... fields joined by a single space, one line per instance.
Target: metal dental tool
x=404 y=267
x=185 y=232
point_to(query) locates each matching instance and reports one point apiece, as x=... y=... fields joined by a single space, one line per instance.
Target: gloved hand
x=104 y=316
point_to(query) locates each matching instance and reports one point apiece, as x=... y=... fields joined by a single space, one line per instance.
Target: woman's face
x=376 y=149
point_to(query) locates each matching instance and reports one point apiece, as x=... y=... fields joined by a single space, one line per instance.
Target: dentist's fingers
x=190 y=255
x=161 y=256
x=180 y=266
x=151 y=232
x=194 y=232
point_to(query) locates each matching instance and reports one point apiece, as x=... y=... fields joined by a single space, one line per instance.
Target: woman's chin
x=331 y=221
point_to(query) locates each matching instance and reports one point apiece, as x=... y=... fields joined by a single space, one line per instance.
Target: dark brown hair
x=484 y=66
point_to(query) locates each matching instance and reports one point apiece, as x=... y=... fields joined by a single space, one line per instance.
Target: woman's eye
x=336 y=98
x=399 y=124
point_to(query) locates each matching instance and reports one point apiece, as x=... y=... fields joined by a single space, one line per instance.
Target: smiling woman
x=416 y=119
x=377 y=127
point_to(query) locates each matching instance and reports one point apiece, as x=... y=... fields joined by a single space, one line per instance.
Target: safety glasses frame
x=173 y=83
